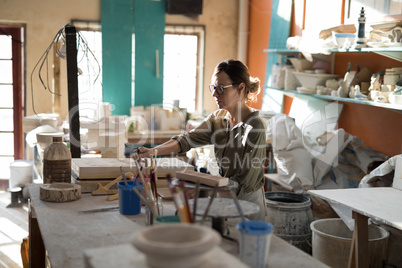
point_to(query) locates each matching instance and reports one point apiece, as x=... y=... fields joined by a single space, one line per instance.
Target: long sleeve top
x=240 y=152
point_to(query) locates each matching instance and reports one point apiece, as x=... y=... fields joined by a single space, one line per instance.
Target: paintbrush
x=153 y=177
x=147 y=203
x=153 y=184
x=239 y=208
x=123 y=175
x=177 y=200
x=187 y=205
x=210 y=202
x=197 y=192
x=156 y=155
x=147 y=190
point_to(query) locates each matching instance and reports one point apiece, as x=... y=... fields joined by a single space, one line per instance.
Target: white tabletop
x=68 y=232
x=384 y=204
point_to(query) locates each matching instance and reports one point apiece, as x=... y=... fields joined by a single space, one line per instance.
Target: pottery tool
x=98 y=210
x=204 y=178
x=123 y=175
x=112 y=197
x=210 y=202
x=105 y=189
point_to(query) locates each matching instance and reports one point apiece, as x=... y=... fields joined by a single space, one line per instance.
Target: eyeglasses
x=220 y=88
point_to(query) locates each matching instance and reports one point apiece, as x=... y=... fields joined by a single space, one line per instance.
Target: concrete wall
x=44 y=18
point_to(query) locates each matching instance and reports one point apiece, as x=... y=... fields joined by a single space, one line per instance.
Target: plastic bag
x=293 y=160
x=278 y=76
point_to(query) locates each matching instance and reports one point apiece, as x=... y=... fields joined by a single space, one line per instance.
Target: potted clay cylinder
x=57 y=162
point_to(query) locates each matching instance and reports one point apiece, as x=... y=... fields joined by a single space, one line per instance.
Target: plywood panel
x=106 y=168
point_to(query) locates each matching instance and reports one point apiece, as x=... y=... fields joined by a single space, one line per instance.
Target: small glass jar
x=149 y=216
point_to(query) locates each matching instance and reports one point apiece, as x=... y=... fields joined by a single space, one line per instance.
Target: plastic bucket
x=255 y=240
x=129 y=201
x=332 y=241
x=291 y=216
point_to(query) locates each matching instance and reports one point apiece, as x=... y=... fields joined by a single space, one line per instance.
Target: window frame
x=17 y=32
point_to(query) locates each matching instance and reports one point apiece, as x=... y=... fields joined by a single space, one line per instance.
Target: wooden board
x=204 y=178
x=165 y=193
x=109 y=168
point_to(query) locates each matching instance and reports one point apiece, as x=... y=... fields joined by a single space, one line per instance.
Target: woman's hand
x=143 y=152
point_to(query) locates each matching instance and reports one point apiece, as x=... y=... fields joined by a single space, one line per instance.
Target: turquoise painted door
x=132 y=37
x=149 y=31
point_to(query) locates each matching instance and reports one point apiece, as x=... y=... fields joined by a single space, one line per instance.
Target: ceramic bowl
x=44 y=139
x=340 y=38
x=175 y=245
x=301 y=64
x=311 y=81
x=379 y=96
x=395 y=99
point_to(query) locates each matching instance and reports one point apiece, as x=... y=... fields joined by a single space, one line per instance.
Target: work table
x=69 y=231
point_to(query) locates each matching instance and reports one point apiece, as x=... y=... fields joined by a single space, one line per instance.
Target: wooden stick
x=210 y=202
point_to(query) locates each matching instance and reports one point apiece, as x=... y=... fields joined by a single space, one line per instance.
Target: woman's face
x=231 y=96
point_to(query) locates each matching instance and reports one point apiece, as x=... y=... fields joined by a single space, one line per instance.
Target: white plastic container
x=21 y=173
x=254 y=243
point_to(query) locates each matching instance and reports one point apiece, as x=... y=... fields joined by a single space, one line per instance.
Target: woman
x=235 y=130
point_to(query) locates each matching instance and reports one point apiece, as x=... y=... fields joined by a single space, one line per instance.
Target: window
x=183 y=69
x=183 y=66
x=11 y=101
x=89 y=59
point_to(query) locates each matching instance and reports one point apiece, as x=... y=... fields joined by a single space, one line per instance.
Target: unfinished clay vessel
x=175 y=245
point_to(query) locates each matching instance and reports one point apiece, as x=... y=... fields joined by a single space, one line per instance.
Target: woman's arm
x=169 y=147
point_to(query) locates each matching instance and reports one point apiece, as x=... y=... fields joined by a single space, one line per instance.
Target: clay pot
x=175 y=245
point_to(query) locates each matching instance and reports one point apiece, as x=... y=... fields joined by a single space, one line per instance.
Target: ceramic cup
x=129 y=201
x=254 y=242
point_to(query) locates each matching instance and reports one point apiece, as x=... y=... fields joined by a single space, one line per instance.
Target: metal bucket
x=291 y=216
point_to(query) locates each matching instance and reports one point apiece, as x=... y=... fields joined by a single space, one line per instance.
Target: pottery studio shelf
x=293 y=93
x=390 y=52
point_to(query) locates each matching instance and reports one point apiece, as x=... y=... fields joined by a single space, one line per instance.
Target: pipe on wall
x=243 y=30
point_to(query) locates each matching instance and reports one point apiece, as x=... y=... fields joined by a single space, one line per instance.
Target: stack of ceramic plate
x=306 y=90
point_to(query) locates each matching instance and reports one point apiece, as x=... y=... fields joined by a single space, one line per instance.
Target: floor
x=13 y=228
